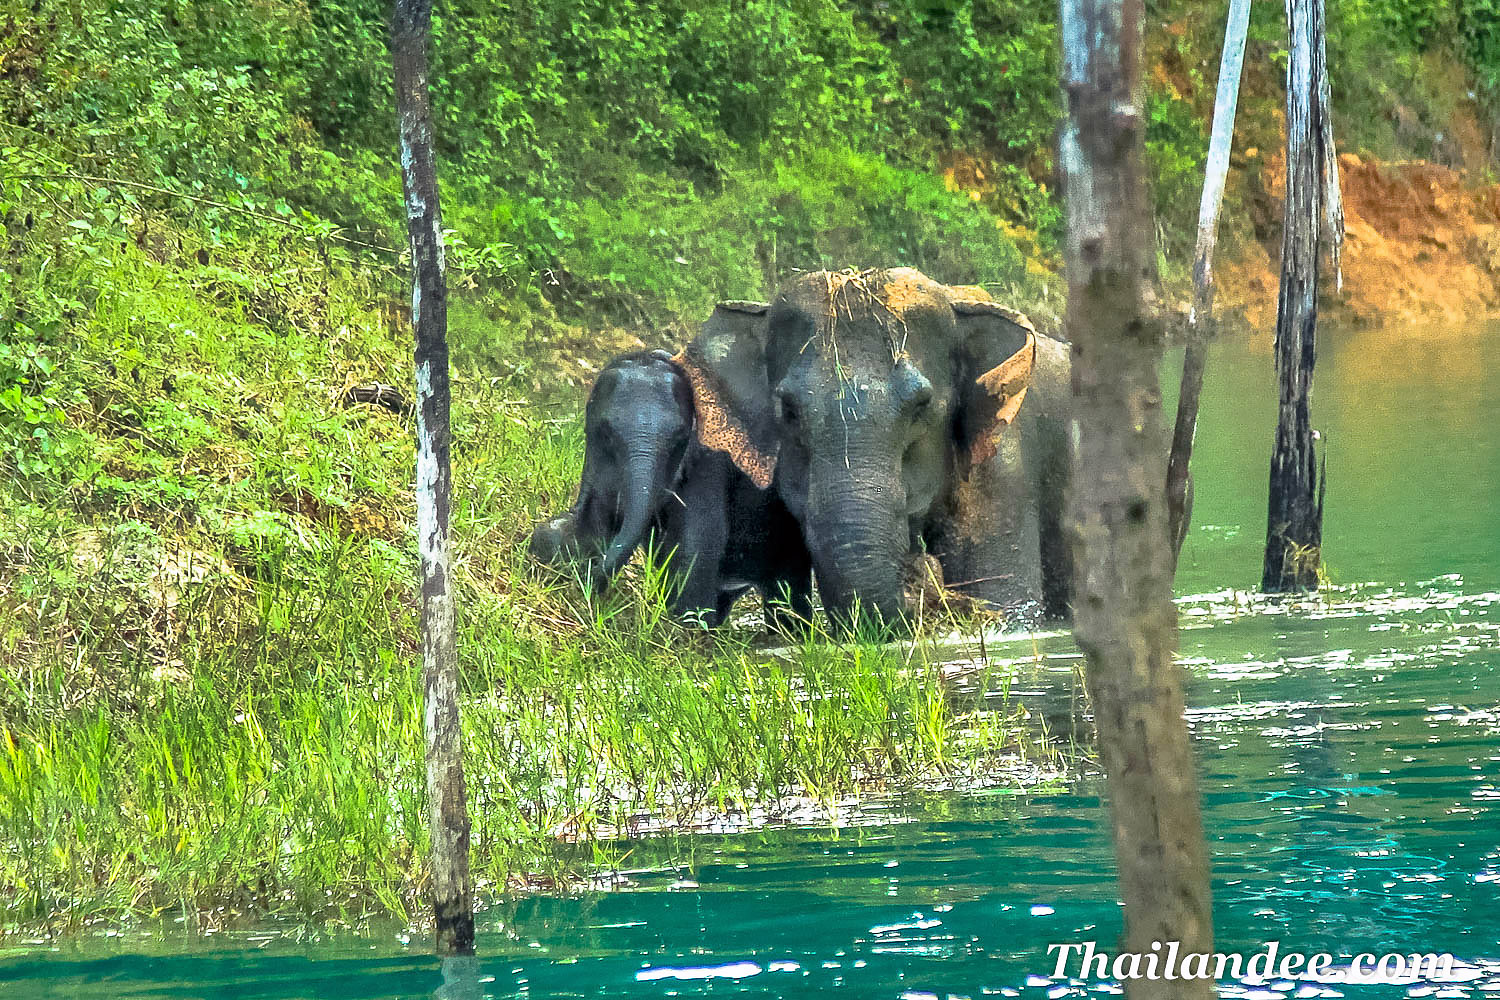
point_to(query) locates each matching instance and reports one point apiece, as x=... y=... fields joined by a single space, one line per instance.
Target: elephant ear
x=1000 y=355
x=726 y=366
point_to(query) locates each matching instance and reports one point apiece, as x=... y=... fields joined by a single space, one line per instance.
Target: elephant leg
x=1057 y=564
x=786 y=571
x=699 y=509
x=987 y=538
x=574 y=538
x=725 y=603
x=556 y=541
x=1045 y=445
x=789 y=610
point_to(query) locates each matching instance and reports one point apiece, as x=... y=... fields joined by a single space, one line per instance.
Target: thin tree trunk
x=1124 y=618
x=1294 y=522
x=1216 y=168
x=452 y=892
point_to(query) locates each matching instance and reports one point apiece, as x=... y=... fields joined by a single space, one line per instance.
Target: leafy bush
x=834 y=208
x=976 y=75
x=1176 y=147
x=1479 y=27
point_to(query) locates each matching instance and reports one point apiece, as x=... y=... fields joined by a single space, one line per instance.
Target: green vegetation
x=207 y=624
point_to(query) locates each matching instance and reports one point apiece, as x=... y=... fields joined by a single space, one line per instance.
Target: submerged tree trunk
x=1294 y=522
x=1124 y=618
x=1215 y=170
x=452 y=892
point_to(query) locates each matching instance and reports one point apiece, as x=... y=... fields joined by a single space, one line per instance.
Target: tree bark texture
x=1216 y=169
x=451 y=888
x=1294 y=521
x=1124 y=618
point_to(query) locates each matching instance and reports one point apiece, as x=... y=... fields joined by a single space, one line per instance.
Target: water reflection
x=463 y=979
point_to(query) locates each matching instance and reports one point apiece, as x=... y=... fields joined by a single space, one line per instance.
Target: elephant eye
x=913 y=389
x=788 y=409
x=920 y=402
x=607 y=433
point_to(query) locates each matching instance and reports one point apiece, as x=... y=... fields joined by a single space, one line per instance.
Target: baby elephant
x=647 y=479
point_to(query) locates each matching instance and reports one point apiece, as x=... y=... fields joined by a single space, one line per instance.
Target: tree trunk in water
x=1201 y=319
x=1294 y=522
x=452 y=892
x=1124 y=618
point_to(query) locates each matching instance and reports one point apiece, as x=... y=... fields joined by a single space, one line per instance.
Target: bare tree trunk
x=1294 y=522
x=1216 y=168
x=452 y=891
x=1124 y=618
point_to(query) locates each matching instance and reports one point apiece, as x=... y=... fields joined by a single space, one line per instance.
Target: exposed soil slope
x=1422 y=244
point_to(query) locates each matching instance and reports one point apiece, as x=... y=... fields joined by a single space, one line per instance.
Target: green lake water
x=1349 y=748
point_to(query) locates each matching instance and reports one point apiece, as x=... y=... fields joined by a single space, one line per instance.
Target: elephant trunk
x=858 y=538
x=639 y=499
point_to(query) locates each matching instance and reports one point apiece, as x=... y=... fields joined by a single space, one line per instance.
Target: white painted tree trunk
x=1216 y=167
x=448 y=816
x=1215 y=171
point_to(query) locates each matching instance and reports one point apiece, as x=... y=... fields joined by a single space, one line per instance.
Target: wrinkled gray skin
x=647 y=480
x=864 y=399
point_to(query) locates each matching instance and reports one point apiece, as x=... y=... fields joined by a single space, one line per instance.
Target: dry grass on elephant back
x=888 y=295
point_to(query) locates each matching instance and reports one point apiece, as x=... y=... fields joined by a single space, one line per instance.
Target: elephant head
x=867 y=396
x=637 y=427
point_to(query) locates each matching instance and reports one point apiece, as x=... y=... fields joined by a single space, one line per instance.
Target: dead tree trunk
x=1124 y=618
x=1216 y=168
x=452 y=892
x=1294 y=522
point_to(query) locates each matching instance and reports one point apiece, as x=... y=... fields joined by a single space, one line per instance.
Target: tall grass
x=281 y=770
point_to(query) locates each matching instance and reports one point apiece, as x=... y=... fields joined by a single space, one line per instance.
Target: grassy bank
x=293 y=785
x=207 y=618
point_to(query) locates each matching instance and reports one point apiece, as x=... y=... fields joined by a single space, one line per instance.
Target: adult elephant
x=878 y=402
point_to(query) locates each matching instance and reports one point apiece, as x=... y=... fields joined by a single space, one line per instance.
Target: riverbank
x=293 y=789
x=210 y=695
x=208 y=624
x=210 y=701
